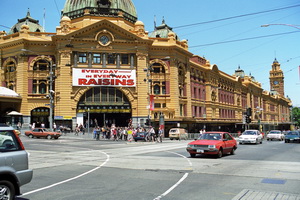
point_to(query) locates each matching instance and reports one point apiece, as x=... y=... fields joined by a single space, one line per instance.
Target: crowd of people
x=120 y=133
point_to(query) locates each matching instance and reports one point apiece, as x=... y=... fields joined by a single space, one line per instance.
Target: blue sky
x=254 y=56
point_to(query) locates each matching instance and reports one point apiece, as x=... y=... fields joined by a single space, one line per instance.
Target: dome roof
x=30 y=22
x=8 y=92
x=109 y=8
x=163 y=31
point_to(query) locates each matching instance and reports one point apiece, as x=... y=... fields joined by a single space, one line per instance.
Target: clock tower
x=277 y=78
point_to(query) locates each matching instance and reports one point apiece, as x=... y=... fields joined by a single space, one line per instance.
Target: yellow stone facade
x=188 y=90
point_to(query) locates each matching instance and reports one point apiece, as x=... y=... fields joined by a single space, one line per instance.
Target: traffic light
x=249 y=111
x=248 y=119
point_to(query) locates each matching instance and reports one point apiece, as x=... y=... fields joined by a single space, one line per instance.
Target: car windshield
x=249 y=133
x=210 y=136
x=292 y=133
x=274 y=132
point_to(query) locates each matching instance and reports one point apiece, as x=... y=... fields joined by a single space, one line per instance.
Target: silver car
x=14 y=170
x=251 y=136
x=275 y=135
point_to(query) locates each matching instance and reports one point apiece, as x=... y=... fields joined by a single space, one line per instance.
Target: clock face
x=104 y=40
x=276 y=82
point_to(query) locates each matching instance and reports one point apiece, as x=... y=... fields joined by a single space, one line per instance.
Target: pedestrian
x=151 y=134
x=108 y=133
x=125 y=134
x=54 y=127
x=19 y=126
x=114 y=134
x=160 y=134
x=95 y=132
x=103 y=132
x=81 y=129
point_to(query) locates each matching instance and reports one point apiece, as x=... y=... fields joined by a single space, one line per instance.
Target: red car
x=42 y=132
x=213 y=143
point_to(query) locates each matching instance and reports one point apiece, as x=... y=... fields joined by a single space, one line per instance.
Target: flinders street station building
x=102 y=66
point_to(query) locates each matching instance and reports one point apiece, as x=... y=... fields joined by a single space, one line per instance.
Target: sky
x=227 y=33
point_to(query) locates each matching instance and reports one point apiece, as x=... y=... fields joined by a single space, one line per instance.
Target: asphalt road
x=84 y=169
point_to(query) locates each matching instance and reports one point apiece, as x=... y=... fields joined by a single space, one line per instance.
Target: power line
x=243 y=39
x=238 y=16
x=56 y=7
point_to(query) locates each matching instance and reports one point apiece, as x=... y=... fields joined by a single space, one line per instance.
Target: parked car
x=292 y=136
x=140 y=136
x=213 y=143
x=14 y=170
x=251 y=136
x=42 y=132
x=178 y=134
x=275 y=135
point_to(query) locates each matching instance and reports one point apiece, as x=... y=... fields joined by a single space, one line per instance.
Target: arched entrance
x=104 y=106
x=40 y=116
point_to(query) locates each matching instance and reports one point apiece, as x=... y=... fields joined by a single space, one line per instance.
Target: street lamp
x=291 y=25
x=51 y=91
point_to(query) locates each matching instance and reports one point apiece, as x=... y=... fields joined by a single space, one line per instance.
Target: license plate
x=200 y=151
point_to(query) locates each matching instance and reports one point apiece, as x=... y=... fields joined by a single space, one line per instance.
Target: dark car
x=42 y=132
x=14 y=167
x=292 y=136
x=140 y=136
x=213 y=143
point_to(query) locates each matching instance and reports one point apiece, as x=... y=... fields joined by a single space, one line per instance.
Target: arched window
x=43 y=87
x=158 y=68
x=41 y=65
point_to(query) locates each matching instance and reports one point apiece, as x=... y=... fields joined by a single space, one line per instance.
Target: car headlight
x=212 y=146
x=190 y=145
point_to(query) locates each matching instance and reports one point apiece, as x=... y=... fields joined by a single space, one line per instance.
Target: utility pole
x=51 y=95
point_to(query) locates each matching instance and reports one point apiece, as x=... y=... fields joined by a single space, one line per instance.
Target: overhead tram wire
x=238 y=16
x=57 y=7
x=243 y=39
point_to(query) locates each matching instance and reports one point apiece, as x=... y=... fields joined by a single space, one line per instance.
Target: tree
x=296 y=116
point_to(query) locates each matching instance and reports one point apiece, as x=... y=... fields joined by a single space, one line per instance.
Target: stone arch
x=81 y=91
x=161 y=62
x=9 y=60
x=34 y=60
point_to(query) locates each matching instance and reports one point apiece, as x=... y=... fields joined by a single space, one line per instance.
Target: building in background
x=101 y=66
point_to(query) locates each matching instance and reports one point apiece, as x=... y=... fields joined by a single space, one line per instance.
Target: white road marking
x=70 y=179
x=178 y=182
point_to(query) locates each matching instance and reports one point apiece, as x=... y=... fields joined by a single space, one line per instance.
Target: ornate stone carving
x=141 y=56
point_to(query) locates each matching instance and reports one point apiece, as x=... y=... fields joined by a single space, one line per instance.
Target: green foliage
x=296 y=116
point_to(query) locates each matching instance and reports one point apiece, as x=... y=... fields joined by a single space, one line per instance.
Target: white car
x=251 y=136
x=275 y=135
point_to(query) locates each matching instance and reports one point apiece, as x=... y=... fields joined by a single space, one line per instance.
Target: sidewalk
x=247 y=194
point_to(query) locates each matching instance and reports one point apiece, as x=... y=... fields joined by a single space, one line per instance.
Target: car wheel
x=30 y=136
x=136 y=140
x=220 y=153
x=268 y=139
x=7 y=190
x=49 y=137
x=232 y=152
x=261 y=141
x=193 y=155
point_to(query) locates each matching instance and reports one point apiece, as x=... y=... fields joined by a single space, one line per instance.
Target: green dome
x=33 y=24
x=109 y=8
